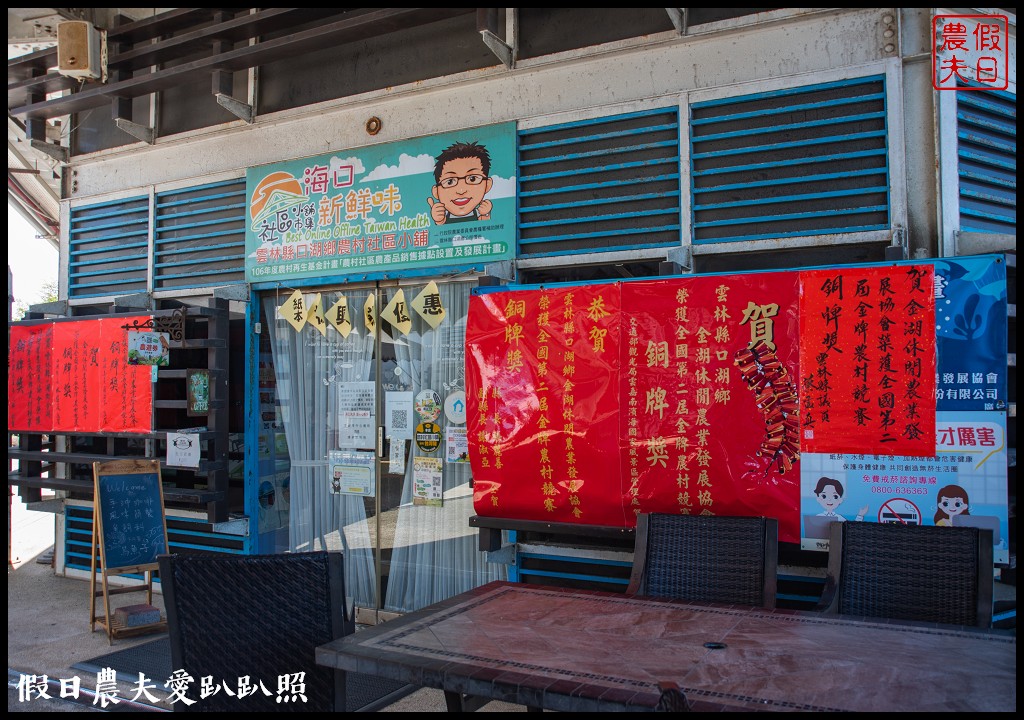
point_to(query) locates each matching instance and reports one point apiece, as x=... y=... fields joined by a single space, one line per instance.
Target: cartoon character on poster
x=829 y=494
x=462 y=179
x=953 y=501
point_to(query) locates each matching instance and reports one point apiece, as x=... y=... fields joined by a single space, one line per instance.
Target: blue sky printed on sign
x=377 y=208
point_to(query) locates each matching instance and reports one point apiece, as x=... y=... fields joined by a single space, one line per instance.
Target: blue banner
x=971 y=333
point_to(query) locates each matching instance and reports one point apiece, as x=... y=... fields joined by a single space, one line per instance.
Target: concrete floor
x=48 y=627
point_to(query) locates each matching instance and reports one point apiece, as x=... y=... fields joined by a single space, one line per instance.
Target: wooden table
x=577 y=650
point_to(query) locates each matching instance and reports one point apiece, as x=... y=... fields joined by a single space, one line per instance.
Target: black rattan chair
x=910 y=572
x=706 y=558
x=260 y=616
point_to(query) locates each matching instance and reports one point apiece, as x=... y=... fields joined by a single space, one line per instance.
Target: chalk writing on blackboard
x=131 y=516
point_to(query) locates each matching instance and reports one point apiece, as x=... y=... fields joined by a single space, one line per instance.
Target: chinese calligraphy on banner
x=693 y=395
x=74 y=376
x=666 y=396
x=544 y=396
x=710 y=398
x=868 y=350
x=29 y=391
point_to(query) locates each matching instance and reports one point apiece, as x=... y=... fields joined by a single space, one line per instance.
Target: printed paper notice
x=456 y=444
x=426 y=478
x=183 y=450
x=351 y=473
x=396 y=457
x=355 y=415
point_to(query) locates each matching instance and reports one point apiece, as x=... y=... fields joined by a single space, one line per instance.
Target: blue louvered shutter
x=802 y=161
x=200 y=236
x=108 y=248
x=987 y=161
x=604 y=184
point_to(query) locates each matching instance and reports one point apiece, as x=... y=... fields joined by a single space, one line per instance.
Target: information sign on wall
x=428 y=202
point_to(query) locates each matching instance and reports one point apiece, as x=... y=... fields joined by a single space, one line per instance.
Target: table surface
x=579 y=650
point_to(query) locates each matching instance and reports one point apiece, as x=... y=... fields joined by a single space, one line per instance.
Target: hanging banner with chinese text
x=428 y=202
x=867 y=342
x=542 y=376
x=75 y=376
x=711 y=423
x=29 y=377
x=714 y=382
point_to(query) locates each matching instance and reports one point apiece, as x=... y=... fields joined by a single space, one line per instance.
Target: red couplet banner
x=590 y=404
x=74 y=376
x=868 y=349
x=710 y=404
x=29 y=390
x=542 y=376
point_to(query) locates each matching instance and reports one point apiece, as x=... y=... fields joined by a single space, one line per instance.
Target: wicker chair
x=260 y=616
x=910 y=572
x=706 y=558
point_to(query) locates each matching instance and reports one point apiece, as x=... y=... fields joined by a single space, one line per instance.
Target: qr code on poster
x=399 y=418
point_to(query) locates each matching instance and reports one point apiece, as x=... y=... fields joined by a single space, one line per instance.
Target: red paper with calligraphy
x=127 y=389
x=868 y=351
x=542 y=383
x=29 y=365
x=74 y=376
x=710 y=406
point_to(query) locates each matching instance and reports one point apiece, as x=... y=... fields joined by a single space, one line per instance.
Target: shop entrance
x=373 y=406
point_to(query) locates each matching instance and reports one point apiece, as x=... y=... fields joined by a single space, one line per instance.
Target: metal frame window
x=987 y=161
x=108 y=248
x=199 y=236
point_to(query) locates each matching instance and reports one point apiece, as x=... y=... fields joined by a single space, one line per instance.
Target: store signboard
x=428 y=202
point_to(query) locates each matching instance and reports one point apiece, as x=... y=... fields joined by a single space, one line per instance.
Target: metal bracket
x=232 y=292
x=898 y=250
x=503 y=47
x=680 y=18
x=503 y=270
x=681 y=257
x=173 y=325
x=140 y=132
x=236 y=107
x=57 y=152
x=499 y=47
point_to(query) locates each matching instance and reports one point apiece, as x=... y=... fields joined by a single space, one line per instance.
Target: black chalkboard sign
x=129 y=514
x=128 y=533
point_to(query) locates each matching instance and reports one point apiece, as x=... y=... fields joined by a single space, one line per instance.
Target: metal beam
x=57 y=152
x=355 y=25
x=237 y=108
x=141 y=132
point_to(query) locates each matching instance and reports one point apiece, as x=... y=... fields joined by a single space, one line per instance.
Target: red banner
x=29 y=373
x=74 y=376
x=127 y=392
x=710 y=403
x=868 y=346
x=542 y=380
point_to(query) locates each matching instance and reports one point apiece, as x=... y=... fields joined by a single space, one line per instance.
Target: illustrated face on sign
x=952 y=502
x=462 y=180
x=829 y=494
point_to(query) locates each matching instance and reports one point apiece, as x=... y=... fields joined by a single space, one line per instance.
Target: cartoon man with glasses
x=461 y=177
